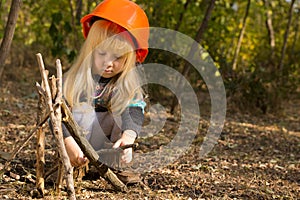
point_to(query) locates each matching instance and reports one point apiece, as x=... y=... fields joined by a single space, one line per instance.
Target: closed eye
x=102 y=53
x=117 y=56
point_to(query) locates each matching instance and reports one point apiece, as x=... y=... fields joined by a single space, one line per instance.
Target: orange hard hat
x=128 y=15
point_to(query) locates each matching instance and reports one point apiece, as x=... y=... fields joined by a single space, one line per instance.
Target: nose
x=108 y=61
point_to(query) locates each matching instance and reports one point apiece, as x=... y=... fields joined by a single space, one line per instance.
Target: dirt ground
x=256 y=157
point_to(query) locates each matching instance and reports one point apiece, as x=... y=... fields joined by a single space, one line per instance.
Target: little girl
x=102 y=87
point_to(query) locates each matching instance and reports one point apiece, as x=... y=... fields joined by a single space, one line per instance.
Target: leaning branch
x=55 y=117
x=88 y=150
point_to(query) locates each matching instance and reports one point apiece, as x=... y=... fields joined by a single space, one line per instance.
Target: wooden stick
x=60 y=168
x=40 y=151
x=88 y=150
x=55 y=117
x=53 y=169
x=59 y=179
x=53 y=86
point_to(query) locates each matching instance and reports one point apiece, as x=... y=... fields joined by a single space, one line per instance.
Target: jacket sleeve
x=133 y=117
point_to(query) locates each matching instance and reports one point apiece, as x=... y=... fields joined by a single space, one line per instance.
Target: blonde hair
x=79 y=84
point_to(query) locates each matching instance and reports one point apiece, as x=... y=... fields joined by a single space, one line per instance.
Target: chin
x=106 y=76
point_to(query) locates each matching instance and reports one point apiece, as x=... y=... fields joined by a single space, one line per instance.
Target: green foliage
x=58 y=31
x=50 y=27
x=254 y=91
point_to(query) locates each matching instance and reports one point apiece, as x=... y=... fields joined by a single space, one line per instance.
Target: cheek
x=97 y=62
x=119 y=67
x=96 y=66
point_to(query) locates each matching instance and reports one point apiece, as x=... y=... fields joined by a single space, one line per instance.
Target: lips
x=108 y=71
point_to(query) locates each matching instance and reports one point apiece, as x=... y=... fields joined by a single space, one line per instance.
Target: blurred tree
x=241 y=36
x=285 y=71
x=9 y=32
x=197 y=39
x=269 y=24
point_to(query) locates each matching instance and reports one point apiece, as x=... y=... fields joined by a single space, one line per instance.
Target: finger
x=79 y=162
x=73 y=163
x=85 y=159
x=82 y=161
x=126 y=159
x=117 y=144
x=127 y=151
x=127 y=156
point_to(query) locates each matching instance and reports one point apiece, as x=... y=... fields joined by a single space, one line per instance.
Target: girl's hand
x=128 y=137
x=74 y=152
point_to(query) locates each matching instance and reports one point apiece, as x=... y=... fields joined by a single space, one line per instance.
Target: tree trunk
x=72 y=13
x=9 y=32
x=241 y=36
x=78 y=11
x=181 y=15
x=296 y=37
x=89 y=5
x=284 y=72
x=75 y=16
x=269 y=25
x=198 y=38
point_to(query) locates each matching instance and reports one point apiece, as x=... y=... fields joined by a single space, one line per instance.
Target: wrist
x=130 y=133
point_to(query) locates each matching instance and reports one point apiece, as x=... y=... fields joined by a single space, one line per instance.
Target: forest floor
x=256 y=157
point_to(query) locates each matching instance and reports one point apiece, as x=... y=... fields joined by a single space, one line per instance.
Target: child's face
x=106 y=63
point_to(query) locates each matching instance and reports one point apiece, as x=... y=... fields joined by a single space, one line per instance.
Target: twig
x=23 y=143
x=40 y=149
x=59 y=178
x=51 y=171
x=55 y=117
